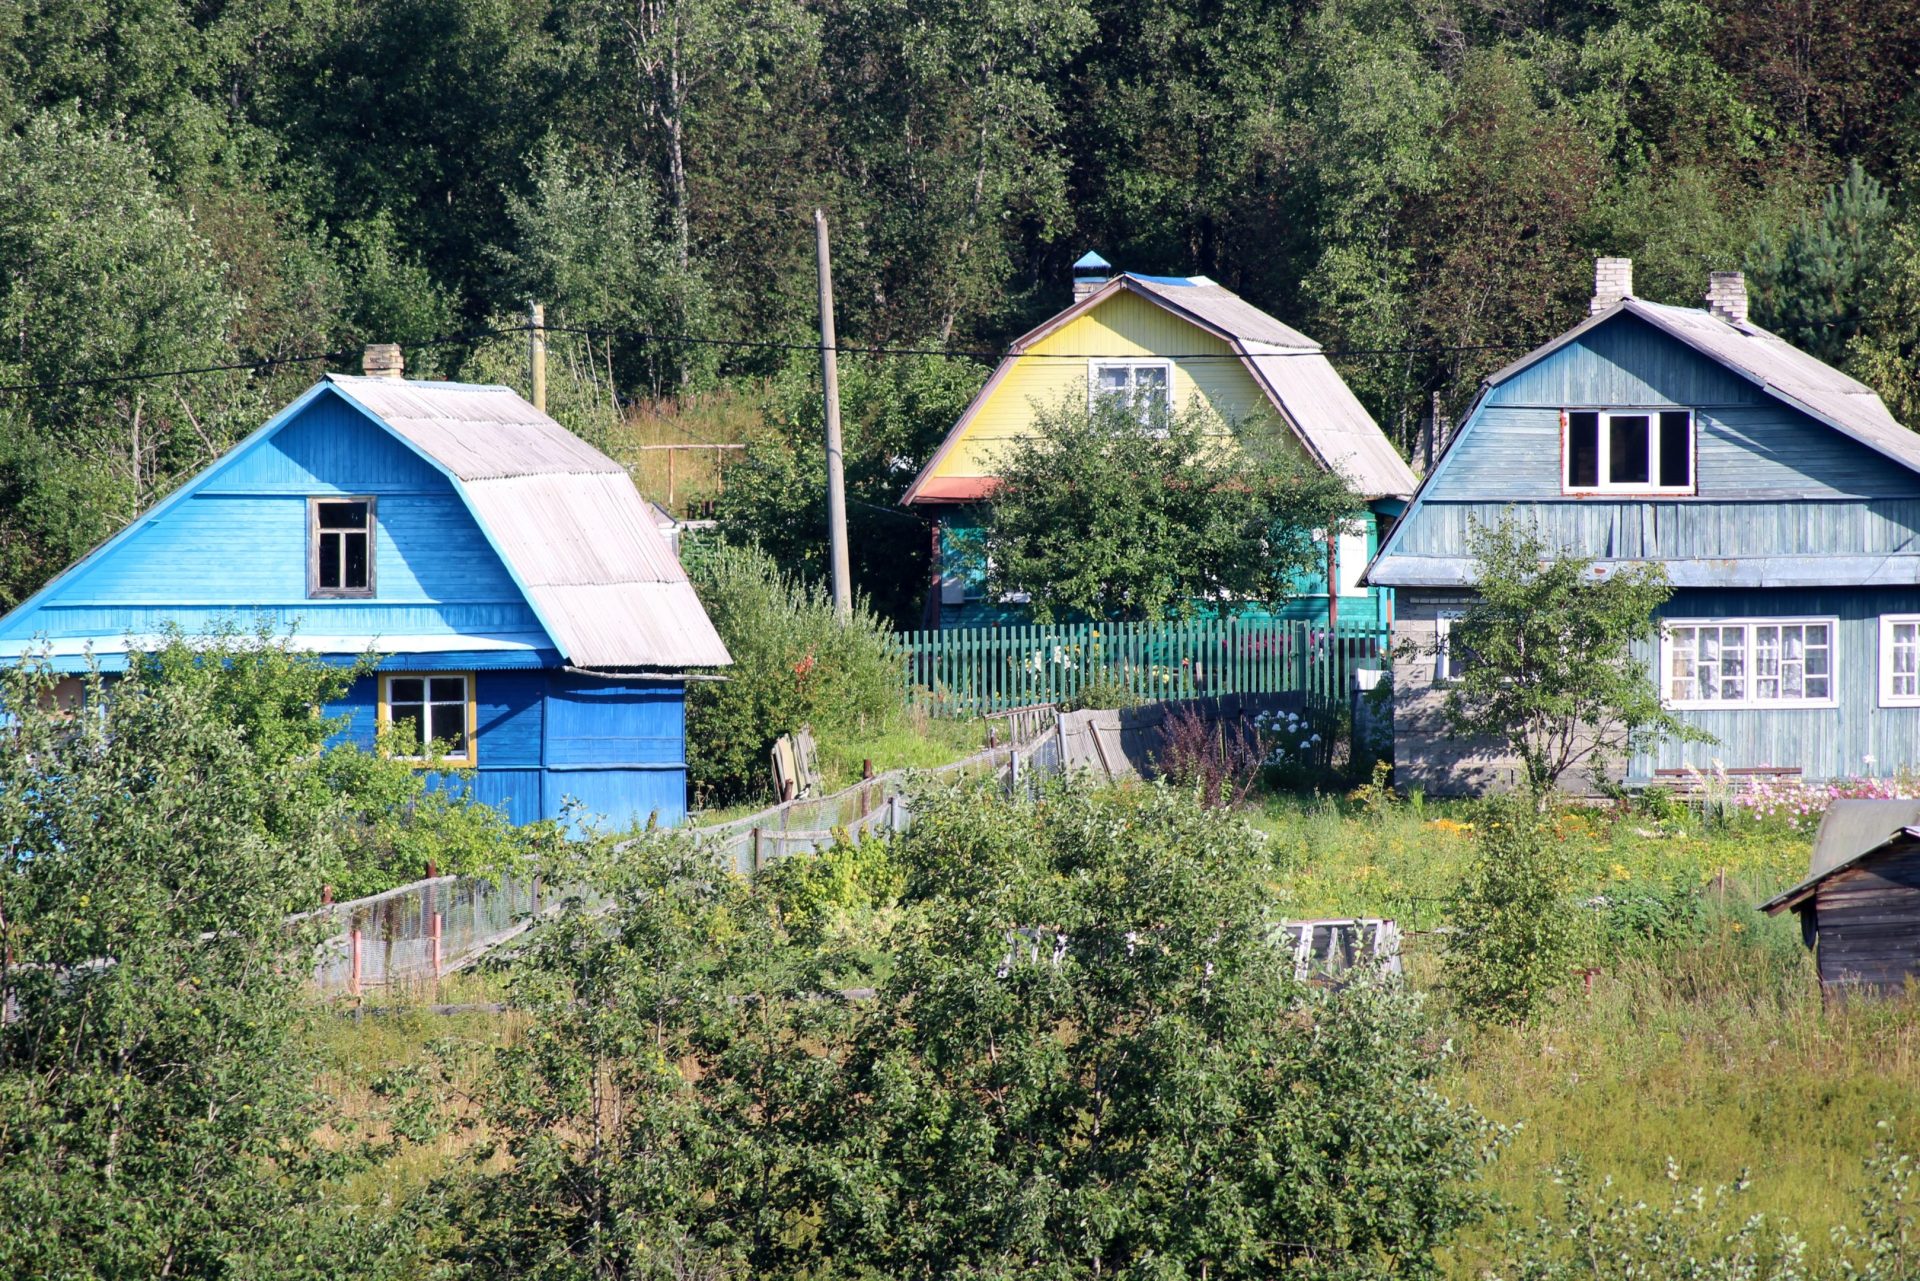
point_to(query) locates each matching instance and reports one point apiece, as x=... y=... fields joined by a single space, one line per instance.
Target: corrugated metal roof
x=1222 y=308
x=1849 y=831
x=1804 y=381
x=565 y=518
x=1336 y=426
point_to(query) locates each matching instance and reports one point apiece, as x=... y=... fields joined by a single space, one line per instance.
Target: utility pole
x=836 y=471
x=537 y=333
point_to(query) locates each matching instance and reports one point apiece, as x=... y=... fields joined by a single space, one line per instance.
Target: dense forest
x=197 y=183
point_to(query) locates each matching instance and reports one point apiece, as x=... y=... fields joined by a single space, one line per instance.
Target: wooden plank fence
x=981 y=670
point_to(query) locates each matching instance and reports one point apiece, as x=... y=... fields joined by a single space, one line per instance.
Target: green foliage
x=1546 y=657
x=1103 y=690
x=588 y=244
x=893 y=413
x=794 y=664
x=849 y=878
x=1139 y=1087
x=156 y=1102
x=1515 y=928
x=1103 y=515
x=1815 y=288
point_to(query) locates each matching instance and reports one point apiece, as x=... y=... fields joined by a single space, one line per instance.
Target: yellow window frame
x=384 y=716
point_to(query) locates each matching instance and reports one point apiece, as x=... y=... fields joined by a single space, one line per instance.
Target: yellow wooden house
x=1166 y=341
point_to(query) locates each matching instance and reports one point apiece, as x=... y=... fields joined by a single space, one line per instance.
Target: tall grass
x=726 y=415
x=1703 y=1038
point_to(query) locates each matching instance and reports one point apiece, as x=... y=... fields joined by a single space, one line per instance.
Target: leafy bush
x=848 y=879
x=1102 y=691
x=1219 y=761
x=1087 y=1060
x=794 y=664
x=1515 y=925
x=156 y=1101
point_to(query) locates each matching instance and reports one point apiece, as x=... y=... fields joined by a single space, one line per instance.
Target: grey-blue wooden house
x=530 y=623
x=1780 y=495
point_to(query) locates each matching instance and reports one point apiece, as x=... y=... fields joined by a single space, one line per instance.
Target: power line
x=270 y=362
x=767 y=344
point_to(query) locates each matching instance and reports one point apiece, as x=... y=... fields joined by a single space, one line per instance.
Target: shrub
x=1219 y=760
x=794 y=664
x=1103 y=691
x=1515 y=926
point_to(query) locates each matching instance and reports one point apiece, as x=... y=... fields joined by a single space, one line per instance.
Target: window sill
x=1771 y=705
x=1633 y=492
x=321 y=593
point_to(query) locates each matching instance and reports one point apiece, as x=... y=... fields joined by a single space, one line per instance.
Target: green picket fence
x=978 y=670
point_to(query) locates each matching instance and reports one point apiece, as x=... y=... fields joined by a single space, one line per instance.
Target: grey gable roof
x=1850 y=831
x=565 y=518
x=1769 y=361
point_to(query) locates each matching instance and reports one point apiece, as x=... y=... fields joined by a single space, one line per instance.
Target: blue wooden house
x=1779 y=494
x=530 y=622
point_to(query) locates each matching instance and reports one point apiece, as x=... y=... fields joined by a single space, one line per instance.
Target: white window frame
x=315 y=537
x=1750 y=655
x=1132 y=365
x=1350 y=559
x=471 y=756
x=1605 y=444
x=1443 y=621
x=1888 y=624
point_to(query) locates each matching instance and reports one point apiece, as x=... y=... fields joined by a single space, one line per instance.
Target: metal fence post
x=353 y=959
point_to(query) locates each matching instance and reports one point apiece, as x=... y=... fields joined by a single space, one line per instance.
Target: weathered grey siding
x=1425 y=754
x=1867 y=920
x=1857 y=737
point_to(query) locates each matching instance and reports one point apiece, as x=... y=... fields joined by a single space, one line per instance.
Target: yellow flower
x=1620 y=873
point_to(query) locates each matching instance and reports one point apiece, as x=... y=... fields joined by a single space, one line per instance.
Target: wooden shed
x=1859 y=906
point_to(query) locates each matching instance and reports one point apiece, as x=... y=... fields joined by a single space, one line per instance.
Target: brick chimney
x=1612 y=282
x=1090 y=275
x=1727 y=296
x=382 y=360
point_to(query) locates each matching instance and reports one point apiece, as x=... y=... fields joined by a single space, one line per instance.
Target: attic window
x=1145 y=386
x=1627 y=451
x=340 y=545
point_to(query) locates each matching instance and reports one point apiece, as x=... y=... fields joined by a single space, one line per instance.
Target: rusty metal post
x=353 y=959
x=435 y=935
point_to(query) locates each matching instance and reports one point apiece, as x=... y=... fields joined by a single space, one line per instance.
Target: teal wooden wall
x=958 y=555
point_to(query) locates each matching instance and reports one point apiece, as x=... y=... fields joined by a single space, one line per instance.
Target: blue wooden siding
x=232 y=550
x=545 y=738
x=236 y=548
x=617 y=748
x=1772 y=482
x=1823 y=742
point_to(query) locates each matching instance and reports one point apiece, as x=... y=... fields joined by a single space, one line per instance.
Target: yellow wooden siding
x=1125 y=325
